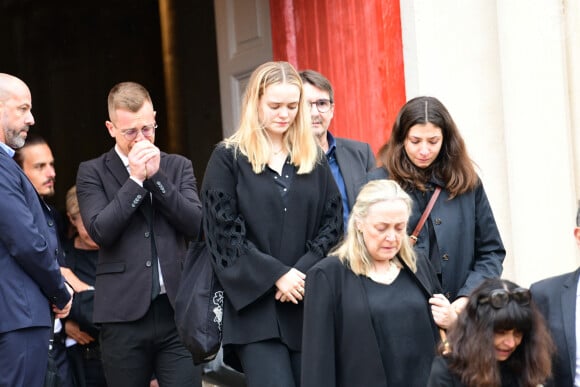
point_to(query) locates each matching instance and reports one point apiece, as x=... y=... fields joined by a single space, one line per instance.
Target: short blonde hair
x=72 y=203
x=129 y=96
x=353 y=251
x=251 y=138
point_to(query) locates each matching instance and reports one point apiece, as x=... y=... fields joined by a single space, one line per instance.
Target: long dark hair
x=453 y=165
x=471 y=340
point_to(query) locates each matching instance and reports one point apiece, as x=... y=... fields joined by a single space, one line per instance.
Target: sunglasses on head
x=499 y=298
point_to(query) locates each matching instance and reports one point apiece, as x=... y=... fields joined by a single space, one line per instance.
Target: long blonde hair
x=353 y=251
x=251 y=138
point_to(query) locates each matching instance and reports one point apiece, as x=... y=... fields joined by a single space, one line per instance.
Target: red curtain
x=358 y=46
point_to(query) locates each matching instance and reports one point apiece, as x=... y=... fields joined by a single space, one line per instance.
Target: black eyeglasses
x=322 y=105
x=499 y=298
x=147 y=131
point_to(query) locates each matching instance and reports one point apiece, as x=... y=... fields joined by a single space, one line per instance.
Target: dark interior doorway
x=70 y=53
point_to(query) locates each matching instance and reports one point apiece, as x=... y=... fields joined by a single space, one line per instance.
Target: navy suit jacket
x=112 y=212
x=30 y=278
x=355 y=159
x=556 y=299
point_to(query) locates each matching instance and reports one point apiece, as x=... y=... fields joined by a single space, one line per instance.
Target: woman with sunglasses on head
x=460 y=236
x=499 y=340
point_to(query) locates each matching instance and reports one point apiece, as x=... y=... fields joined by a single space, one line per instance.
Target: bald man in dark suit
x=30 y=281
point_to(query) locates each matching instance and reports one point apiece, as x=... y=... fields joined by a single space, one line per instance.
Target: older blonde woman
x=271 y=211
x=367 y=318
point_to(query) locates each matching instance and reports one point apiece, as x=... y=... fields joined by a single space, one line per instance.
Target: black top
x=399 y=342
x=283 y=181
x=441 y=376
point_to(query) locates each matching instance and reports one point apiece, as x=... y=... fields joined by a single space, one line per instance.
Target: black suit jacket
x=556 y=299
x=354 y=159
x=112 y=211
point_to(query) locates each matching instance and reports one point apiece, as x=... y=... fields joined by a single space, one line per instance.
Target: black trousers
x=132 y=351
x=59 y=353
x=269 y=363
x=85 y=361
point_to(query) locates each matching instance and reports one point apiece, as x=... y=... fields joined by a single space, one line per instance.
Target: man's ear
x=111 y=128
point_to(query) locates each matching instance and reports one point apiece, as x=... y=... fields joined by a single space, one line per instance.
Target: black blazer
x=556 y=299
x=113 y=214
x=339 y=347
x=355 y=159
x=255 y=237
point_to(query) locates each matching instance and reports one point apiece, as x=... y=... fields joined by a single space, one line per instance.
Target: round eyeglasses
x=146 y=131
x=322 y=105
x=499 y=298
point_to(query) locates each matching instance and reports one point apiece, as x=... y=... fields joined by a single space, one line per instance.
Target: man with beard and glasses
x=30 y=280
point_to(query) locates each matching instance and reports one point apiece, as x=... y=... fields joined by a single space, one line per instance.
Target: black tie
x=150 y=211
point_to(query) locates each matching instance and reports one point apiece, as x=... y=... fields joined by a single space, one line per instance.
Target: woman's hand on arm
x=443 y=311
x=291 y=286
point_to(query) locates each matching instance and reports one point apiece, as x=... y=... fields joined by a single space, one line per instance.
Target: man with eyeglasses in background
x=349 y=160
x=558 y=300
x=140 y=205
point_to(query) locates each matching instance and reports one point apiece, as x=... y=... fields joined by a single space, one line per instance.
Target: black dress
x=401 y=343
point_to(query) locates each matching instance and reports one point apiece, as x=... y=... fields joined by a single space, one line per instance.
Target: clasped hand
x=62 y=313
x=291 y=286
x=144 y=160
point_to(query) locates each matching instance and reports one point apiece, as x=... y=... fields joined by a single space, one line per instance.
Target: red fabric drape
x=358 y=46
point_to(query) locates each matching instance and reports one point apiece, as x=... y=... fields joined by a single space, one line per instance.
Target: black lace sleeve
x=330 y=232
x=224 y=228
x=245 y=272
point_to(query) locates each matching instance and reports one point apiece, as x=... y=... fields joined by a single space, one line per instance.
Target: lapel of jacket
x=421 y=277
x=115 y=165
x=568 y=306
x=344 y=164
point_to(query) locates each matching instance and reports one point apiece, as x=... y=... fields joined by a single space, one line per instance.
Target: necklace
x=275 y=153
x=386 y=277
